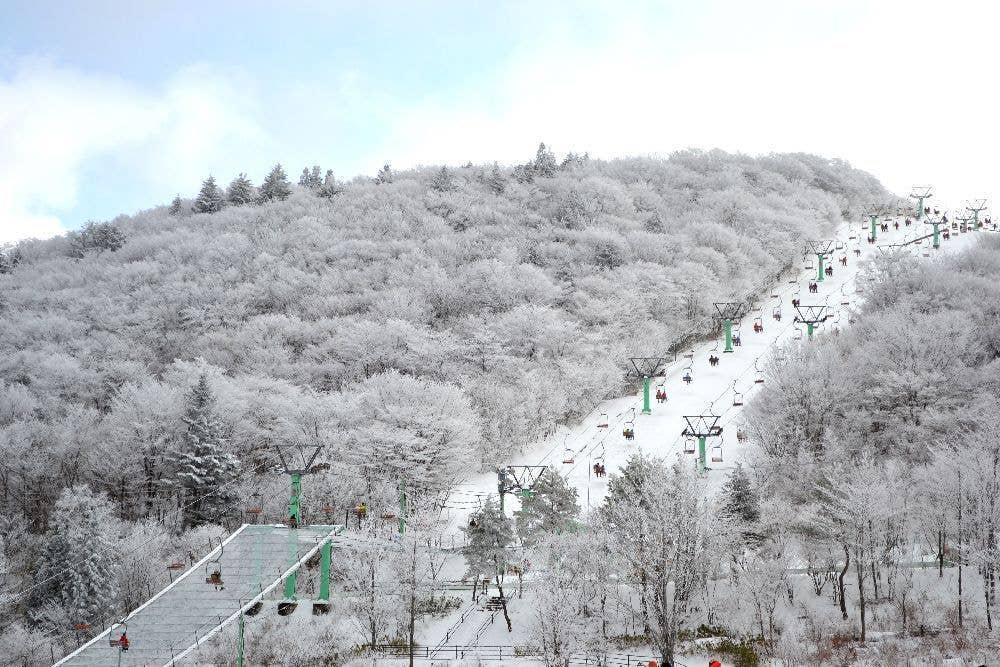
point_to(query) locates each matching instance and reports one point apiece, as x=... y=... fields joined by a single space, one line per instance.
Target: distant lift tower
x=729 y=311
x=517 y=479
x=821 y=249
x=975 y=207
x=811 y=316
x=701 y=427
x=299 y=460
x=921 y=193
x=645 y=368
x=873 y=212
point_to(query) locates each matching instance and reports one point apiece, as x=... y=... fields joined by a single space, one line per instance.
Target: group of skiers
x=713 y=360
x=661 y=395
x=599 y=470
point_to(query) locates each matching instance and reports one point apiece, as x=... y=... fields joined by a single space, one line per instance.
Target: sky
x=113 y=107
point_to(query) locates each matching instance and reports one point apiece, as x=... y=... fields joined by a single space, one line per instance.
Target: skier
x=828 y=270
x=843 y=260
x=857 y=252
x=293 y=522
x=758 y=327
x=896 y=225
x=687 y=378
x=736 y=341
x=123 y=642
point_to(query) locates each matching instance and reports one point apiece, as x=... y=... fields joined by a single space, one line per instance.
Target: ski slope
x=712 y=390
x=253 y=561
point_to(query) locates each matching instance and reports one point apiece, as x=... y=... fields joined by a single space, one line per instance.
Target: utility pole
x=701 y=427
x=821 y=249
x=645 y=368
x=975 y=207
x=921 y=193
x=518 y=478
x=727 y=312
x=811 y=316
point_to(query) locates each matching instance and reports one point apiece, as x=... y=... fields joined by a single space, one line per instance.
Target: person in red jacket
x=123 y=642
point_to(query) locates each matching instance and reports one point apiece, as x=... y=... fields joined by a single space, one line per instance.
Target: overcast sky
x=111 y=107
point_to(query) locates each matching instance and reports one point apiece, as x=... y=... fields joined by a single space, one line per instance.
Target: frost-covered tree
x=741 y=504
x=488 y=548
x=384 y=175
x=176 y=206
x=95 y=237
x=79 y=563
x=551 y=507
x=202 y=470
x=241 y=191
x=442 y=181
x=545 y=162
x=330 y=187
x=311 y=178
x=496 y=182
x=210 y=198
x=275 y=185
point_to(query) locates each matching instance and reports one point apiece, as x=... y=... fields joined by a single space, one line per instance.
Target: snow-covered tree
x=741 y=504
x=311 y=178
x=79 y=565
x=95 y=237
x=241 y=191
x=202 y=469
x=489 y=538
x=496 y=182
x=550 y=507
x=442 y=181
x=330 y=187
x=384 y=175
x=176 y=206
x=275 y=185
x=545 y=162
x=210 y=198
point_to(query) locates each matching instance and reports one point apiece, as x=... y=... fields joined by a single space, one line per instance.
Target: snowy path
x=712 y=389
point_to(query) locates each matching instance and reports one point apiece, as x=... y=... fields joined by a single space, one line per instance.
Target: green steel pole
x=290 y=579
x=239 y=645
x=874 y=219
x=295 y=501
x=937 y=242
x=819 y=267
x=702 y=462
x=729 y=336
x=402 y=508
x=920 y=207
x=324 y=572
x=645 y=395
x=975 y=217
x=809 y=328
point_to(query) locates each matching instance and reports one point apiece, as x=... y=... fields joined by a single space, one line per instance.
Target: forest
x=431 y=322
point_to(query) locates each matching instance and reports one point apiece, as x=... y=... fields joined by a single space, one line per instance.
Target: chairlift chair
x=776 y=313
x=116 y=641
x=603 y=421
x=839 y=245
x=629 y=430
x=717 y=454
x=687 y=377
x=737 y=397
x=760 y=374
x=798 y=333
x=569 y=457
x=689 y=445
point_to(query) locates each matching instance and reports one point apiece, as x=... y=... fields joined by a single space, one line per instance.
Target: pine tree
x=175 y=206
x=545 y=162
x=79 y=556
x=305 y=180
x=741 y=505
x=210 y=198
x=385 y=175
x=442 y=181
x=489 y=537
x=550 y=507
x=275 y=185
x=202 y=469
x=496 y=182
x=315 y=180
x=330 y=188
x=241 y=191
x=95 y=237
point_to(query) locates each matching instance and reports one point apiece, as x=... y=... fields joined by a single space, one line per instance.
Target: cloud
x=54 y=120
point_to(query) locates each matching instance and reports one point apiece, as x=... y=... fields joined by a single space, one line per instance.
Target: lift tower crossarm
x=645 y=368
x=811 y=316
x=701 y=427
x=975 y=207
x=921 y=193
x=517 y=478
x=821 y=249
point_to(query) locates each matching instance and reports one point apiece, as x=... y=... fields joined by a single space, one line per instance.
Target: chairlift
x=687 y=377
x=798 y=333
x=121 y=642
x=603 y=421
x=717 y=454
x=213 y=570
x=628 y=432
x=737 y=397
x=776 y=313
x=255 y=506
x=839 y=245
x=689 y=445
x=760 y=374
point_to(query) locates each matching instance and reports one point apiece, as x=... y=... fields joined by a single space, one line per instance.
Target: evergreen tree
x=489 y=537
x=496 y=182
x=275 y=185
x=305 y=179
x=210 y=199
x=442 y=181
x=330 y=188
x=385 y=175
x=241 y=191
x=315 y=180
x=741 y=505
x=175 y=206
x=202 y=469
x=79 y=556
x=545 y=162
x=654 y=223
x=551 y=507
x=95 y=236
